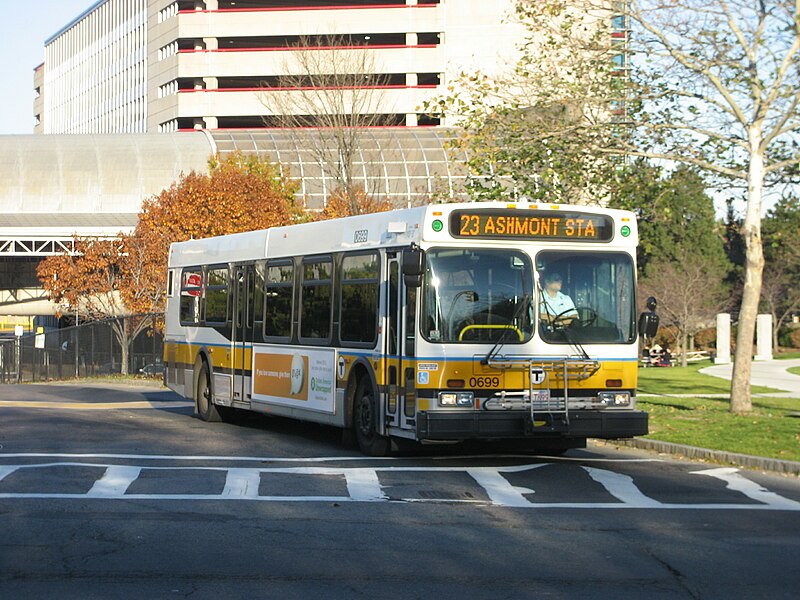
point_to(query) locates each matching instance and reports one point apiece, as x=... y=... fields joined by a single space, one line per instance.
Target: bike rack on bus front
x=537 y=397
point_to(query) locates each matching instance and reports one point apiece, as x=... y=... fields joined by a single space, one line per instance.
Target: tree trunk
x=121 y=329
x=741 y=398
x=685 y=350
x=776 y=327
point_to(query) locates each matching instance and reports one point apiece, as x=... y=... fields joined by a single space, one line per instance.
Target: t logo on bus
x=537 y=376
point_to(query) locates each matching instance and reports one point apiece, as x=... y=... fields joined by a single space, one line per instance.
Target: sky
x=26 y=25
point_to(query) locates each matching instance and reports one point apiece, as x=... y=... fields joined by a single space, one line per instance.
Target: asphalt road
x=110 y=492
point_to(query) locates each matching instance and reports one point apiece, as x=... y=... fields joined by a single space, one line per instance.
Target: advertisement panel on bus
x=298 y=377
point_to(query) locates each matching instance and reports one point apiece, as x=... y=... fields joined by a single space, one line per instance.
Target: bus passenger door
x=393 y=337
x=400 y=313
x=408 y=317
x=244 y=277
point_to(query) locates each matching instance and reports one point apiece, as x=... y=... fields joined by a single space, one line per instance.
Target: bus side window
x=359 y=298
x=257 y=301
x=316 y=299
x=216 y=296
x=191 y=290
x=278 y=300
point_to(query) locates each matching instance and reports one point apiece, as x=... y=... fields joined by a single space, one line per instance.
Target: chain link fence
x=88 y=350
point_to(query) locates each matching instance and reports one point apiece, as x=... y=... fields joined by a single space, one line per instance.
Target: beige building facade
x=128 y=66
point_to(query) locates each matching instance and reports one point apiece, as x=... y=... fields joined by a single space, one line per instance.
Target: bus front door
x=244 y=277
x=400 y=405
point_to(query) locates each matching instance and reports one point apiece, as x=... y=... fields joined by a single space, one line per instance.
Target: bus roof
x=430 y=223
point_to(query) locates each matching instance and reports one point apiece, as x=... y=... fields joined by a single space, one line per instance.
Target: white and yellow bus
x=430 y=324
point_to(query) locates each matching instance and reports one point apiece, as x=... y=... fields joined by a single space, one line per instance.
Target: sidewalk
x=769 y=373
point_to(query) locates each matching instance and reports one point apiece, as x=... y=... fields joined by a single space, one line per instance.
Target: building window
x=170 y=49
x=168 y=12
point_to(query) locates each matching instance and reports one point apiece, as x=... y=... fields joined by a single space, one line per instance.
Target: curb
x=744 y=460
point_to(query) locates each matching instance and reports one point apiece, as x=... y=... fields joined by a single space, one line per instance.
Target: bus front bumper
x=440 y=425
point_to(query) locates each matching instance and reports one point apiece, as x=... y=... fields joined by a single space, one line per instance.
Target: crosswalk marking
x=242 y=483
x=622 y=488
x=751 y=489
x=115 y=482
x=363 y=484
x=500 y=491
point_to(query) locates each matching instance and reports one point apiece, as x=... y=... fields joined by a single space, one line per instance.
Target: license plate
x=540 y=400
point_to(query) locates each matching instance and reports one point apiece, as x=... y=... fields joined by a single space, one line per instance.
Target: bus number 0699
x=484 y=382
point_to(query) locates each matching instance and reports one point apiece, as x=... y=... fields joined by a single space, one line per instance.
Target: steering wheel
x=586 y=317
x=582 y=316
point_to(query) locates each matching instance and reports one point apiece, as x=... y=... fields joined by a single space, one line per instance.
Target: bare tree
x=690 y=294
x=334 y=85
x=779 y=294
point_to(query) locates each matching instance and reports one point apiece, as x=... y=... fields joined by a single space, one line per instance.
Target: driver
x=554 y=304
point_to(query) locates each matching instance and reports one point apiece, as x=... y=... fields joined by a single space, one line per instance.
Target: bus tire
x=365 y=412
x=204 y=396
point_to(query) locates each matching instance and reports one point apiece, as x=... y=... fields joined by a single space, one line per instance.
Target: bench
x=695 y=356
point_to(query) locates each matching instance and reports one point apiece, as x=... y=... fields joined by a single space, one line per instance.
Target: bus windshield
x=586 y=297
x=477 y=295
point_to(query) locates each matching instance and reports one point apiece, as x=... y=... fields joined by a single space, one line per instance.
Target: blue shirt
x=556 y=306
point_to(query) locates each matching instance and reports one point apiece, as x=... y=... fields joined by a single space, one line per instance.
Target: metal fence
x=87 y=350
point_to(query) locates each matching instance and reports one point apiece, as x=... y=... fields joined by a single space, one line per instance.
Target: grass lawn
x=771 y=430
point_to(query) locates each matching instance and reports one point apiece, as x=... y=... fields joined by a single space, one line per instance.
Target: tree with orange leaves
x=241 y=193
x=126 y=276
x=356 y=202
x=88 y=282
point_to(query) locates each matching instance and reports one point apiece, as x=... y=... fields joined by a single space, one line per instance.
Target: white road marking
x=622 y=487
x=498 y=488
x=115 y=482
x=363 y=485
x=734 y=481
x=138 y=404
x=242 y=483
x=311 y=459
x=7 y=470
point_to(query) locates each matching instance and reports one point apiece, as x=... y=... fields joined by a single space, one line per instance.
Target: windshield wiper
x=510 y=327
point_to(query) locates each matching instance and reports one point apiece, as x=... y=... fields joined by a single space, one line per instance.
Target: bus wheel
x=204 y=397
x=365 y=422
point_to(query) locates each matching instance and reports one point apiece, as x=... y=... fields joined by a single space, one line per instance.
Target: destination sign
x=531 y=224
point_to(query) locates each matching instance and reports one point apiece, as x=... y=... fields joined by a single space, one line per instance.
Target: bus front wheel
x=365 y=422
x=204 y=397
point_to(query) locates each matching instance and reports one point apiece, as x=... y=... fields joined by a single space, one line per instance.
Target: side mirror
x=413 y=267
x=648 y=324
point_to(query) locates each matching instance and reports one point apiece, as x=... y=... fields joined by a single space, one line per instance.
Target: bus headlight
x=456 y=398
x=614 y=398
